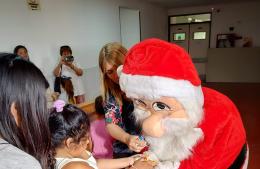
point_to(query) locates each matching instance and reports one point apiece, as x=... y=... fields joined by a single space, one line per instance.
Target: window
x=178 y=36
x=190 y=18
x=199 y=35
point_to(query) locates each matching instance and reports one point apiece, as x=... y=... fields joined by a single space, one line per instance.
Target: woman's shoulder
x=12 y=157
x=77 y=165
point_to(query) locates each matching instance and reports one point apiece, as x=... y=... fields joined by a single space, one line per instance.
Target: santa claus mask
x=167 y=127
x=154 y=112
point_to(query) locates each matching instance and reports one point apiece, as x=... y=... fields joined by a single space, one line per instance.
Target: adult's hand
x=135 y=144
x=62 y=60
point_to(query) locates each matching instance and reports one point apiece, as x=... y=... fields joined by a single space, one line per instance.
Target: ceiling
x=186 y=3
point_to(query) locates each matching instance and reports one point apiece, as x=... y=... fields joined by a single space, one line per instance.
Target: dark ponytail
x=71 y=122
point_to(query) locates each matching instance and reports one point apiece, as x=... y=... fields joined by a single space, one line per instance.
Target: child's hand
x=139 y=164
x=132 y=159
x=135 y=144
x=137 y=157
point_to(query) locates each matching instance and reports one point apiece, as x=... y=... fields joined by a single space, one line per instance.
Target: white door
x=194 y=38
x=129 y=26
x=179 y=34
x=198 y=46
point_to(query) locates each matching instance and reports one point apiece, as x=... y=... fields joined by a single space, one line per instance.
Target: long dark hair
x=24 y=85
x=71 y=122
x=99 y=105
x=67 y=85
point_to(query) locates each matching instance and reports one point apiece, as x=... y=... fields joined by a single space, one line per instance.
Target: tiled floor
x=247 y=99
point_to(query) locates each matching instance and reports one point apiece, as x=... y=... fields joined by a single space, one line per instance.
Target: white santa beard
x=177 y=142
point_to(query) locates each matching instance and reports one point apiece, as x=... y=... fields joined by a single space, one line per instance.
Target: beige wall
x=233 y=65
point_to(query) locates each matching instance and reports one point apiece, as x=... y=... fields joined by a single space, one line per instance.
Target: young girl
x=22 y=52
x=102 y=147
x=69 y=128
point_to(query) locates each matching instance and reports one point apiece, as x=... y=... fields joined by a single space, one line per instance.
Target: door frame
x=119 y=16
x=169 y=24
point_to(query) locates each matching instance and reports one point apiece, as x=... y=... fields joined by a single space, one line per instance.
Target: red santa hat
x=154 y=68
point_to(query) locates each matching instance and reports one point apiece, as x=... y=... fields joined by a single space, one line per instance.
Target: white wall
x=244 y=16
x=85 y=25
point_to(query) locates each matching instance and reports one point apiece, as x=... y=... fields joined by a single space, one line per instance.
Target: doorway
x=192 y=32
x=130 y=30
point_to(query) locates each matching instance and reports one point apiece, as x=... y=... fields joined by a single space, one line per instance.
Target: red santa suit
x=156 y=68
x=224 y=134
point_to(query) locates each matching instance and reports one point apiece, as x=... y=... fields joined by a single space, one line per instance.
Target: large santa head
x=164 y=85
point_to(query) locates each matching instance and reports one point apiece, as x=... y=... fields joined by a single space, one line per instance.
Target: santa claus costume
x=211 y=137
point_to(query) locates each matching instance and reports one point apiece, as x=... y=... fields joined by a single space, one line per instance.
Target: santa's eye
x=139 y=102
x=159 y=106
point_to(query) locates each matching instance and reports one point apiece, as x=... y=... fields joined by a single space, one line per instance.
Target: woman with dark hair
x=69 y=68
x=24 y=132
x=21 y=51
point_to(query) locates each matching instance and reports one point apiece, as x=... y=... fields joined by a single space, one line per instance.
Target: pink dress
x=102 y=141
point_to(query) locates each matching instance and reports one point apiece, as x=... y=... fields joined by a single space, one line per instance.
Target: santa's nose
x=152 y=126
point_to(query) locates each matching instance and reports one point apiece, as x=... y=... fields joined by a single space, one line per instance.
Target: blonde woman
x=119 y=121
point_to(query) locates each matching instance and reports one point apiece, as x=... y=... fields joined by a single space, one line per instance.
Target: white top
x=61 y=162
x=63 y=95
x=75 y=79
x=12 y=157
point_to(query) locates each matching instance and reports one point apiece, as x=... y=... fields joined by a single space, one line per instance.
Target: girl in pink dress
x=102 y=141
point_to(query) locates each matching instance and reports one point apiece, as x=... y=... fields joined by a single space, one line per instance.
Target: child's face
x=66 y=53
x=23 y=53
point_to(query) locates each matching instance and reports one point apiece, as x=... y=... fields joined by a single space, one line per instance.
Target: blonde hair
x=114 y=54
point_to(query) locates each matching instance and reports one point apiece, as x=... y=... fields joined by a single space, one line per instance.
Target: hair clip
x=58 y=105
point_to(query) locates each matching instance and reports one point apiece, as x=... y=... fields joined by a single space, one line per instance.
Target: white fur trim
x=245 y=165
x=154 y=87
x=119 y=70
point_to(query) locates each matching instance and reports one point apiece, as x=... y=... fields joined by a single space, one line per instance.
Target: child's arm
x=115 y=163
x=142 y=165
x=77 y=165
